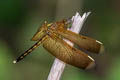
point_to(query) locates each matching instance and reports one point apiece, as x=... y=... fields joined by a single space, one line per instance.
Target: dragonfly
x=51 y=36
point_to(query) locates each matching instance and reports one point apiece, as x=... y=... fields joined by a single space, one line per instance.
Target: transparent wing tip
x=101 y=49
x=91 y=65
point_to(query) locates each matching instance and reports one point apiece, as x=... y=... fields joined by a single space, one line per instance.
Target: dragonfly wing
x=84 y=42
x=40 y=32
x=61 y=50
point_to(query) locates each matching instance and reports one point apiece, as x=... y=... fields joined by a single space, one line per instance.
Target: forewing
x=61 y=50
x=84 y=42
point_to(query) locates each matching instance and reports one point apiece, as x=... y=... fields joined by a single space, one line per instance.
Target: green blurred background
x=19 y=20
